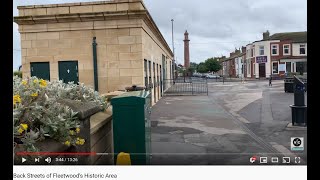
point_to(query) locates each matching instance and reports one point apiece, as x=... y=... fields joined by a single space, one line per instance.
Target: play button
x=23 y=160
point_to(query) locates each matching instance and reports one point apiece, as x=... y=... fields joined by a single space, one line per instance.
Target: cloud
x=216 y=27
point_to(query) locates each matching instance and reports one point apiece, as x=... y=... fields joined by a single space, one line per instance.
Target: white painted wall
x=296 y=49
x=249 y=68
x=239 y=66
x=267 y=50
x=248 y=56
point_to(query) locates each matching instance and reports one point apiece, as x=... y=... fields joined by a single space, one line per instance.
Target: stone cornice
x=78 y=4
x=77 y=17
x=96 y=16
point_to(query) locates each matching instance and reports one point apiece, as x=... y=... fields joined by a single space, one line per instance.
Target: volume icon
x=48 y=160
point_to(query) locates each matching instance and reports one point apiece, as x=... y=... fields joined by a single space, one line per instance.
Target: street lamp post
x=174 y=63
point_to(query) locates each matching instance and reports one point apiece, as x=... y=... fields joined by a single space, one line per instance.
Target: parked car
x=196 y=75
x=204 y=75
x=209 y=76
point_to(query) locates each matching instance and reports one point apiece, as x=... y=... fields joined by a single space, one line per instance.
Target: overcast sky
x=216 y=27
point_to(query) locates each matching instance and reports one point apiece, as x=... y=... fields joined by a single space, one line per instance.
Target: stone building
x=277 y=54
x=289 y=54
x=108 y=45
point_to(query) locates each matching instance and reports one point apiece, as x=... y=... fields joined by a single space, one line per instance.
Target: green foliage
x=17 y=73
x=202 y=68
x=193 y=67
x=213 y=64
x=38 y=115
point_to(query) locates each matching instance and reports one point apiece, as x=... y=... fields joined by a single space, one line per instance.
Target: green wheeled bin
x=131 y=126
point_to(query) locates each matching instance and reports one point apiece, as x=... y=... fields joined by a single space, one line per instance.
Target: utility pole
x=174 y=64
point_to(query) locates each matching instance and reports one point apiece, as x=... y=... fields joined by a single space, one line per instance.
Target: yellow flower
x=80 y=141
x=24 y=126
x=24 y=82
x=78 y=130
x=34 y=94
x=35 y=81
x=71 y=132
x=67 y=143
x=16 y=99
x=43 y=83
x=20 y=130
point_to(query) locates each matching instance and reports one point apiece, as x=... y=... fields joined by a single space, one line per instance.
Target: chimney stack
x=266 y=35
x=243 y=49
x=186 y=50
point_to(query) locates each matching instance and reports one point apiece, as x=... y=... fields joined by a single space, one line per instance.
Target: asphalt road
x=233 y=123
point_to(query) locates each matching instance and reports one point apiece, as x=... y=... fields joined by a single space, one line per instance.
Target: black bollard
x=299 y=109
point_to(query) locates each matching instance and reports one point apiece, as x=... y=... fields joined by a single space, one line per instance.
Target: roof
x=234 y=56
x=293 y=36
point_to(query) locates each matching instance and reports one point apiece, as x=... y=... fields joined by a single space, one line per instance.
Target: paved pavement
x=235 y=122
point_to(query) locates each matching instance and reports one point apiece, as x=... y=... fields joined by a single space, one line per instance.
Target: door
x=41 y=70
x=164 y=77
x=262 y=70
x=68 y=71
x=155 y=83
x=288 y=67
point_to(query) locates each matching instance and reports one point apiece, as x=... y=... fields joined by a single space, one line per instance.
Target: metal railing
x=186 y=86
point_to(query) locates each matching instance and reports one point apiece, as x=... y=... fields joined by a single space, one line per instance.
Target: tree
x=213 y=65
x=202 y=68
x=17 y=73
x=193 y=67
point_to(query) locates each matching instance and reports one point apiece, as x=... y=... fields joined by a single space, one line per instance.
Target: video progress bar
x=108 y=154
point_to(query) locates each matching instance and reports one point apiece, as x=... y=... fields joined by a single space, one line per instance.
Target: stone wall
x=153 y=51
x=101 y=138
x=119 y=54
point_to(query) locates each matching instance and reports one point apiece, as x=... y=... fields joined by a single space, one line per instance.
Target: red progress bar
x=56 y=153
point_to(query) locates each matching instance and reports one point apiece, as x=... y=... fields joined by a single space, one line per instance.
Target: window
x=146 y=73
x=288 y=67
x=274 y=49
x=252 y=52
x=150 y=80
x=170 y=69
x=261 y=50
x=275 y=68
x=301 y=67
x=302 y=49
x=286 y=49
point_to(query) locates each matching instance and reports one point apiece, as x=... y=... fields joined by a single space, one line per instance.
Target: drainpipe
x=95 y=67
